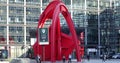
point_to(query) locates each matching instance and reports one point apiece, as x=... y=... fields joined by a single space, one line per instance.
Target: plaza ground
x=73 y=61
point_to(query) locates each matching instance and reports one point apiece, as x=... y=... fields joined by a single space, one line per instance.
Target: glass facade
x=98 y=19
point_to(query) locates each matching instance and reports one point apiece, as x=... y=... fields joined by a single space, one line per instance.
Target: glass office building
x=98 y=19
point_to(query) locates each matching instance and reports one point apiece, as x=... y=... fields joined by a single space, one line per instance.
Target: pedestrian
x=88 y=57
x=63 y=59
x=38 y=59
x=104 y=57
x=69 y=61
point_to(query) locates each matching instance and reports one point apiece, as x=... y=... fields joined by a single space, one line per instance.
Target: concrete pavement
x=101 y=61
x=4 y=62
x=73 y=61
x=91 y=61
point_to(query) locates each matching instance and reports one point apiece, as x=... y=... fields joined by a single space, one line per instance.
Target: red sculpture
x=60 y=44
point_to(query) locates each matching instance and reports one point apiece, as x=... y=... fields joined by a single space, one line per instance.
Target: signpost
x=43 y=39
x=43 y=36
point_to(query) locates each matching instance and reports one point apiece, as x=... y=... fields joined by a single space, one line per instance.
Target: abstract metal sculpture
x=60 y=44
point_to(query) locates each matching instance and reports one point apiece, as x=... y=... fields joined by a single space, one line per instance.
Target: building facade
x=98 y=19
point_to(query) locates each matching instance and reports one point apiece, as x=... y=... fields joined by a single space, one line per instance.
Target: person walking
x=69 y=61
x=88 y=57
x=63 y=59
x=104 y=57
x=38 y=59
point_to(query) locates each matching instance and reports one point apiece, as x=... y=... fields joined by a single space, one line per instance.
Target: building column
x=85 y=24
x=8 y=29
x=99 y=28
x=111 y=3
x=71 y=8
x=25 y=25
x=41 y=6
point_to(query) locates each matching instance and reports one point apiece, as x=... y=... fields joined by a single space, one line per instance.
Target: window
x=67 y=2
x=12 y=19
x=19 y=28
